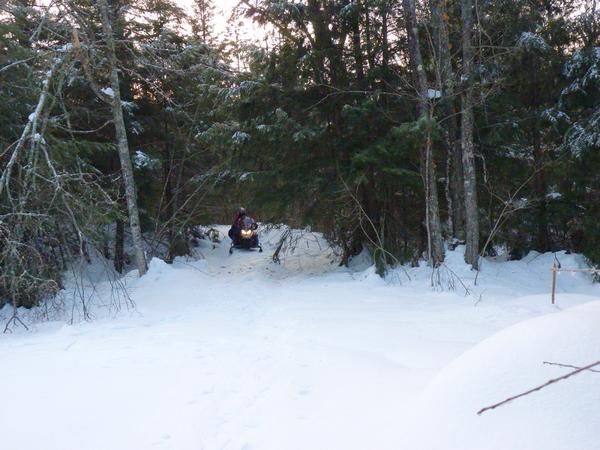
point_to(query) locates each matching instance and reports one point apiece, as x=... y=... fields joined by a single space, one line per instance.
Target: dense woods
x=399 y=127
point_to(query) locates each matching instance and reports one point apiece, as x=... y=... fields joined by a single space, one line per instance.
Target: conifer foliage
x=402 y=128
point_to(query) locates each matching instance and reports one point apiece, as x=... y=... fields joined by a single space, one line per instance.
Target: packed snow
x=563 y=416
x=236 y=352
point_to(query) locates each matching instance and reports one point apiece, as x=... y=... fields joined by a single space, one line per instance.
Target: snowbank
x=562 y=416
x=235 y=352
x=499 y=279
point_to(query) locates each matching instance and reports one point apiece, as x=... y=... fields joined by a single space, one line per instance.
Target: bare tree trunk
x=122 y=143
x=540 y=185
x=445 y=80
x=435 y=244
x=119 y=261
x=356 y=44
x=543 y=235
x=457 y=180
x=468 y=158
x=368 y=38
x=167 y=208
x=384 y=35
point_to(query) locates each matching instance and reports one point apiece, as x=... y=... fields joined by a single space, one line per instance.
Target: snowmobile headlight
x=246 y=234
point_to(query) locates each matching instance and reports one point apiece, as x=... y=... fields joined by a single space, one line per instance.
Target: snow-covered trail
x=234 y=352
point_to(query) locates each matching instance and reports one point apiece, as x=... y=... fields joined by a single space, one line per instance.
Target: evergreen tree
x=203 y=21
x=347 y=118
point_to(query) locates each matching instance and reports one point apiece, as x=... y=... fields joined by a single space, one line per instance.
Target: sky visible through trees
x=398 y=128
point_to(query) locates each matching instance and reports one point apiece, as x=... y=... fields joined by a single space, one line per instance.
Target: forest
x=424 y=179
x=399 y=127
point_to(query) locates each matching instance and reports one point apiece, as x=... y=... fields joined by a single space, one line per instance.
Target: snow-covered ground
x=237 y=353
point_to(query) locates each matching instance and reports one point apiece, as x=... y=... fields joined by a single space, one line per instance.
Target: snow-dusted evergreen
x=409 y=195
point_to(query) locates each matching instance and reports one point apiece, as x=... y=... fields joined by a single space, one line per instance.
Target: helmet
x=242 y=211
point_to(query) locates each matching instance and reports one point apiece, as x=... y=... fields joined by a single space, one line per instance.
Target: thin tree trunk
x=369 y=38
x=468 y=158
x=543 y=238
x=540 y=186
x=122 y=143
x=450 y=205
x=119 y=260
x=384 y=35
x=457 y=179
x=435 y=244
x=166 y=208
x=445 y=80
x=357 y=46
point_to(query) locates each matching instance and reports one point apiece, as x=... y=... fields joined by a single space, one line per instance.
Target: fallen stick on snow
x=540 y=387
x=567 y=365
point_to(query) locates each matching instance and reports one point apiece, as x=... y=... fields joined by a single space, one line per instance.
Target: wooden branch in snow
x=558 y=269
x=15 y=319
x=568 y=365
x=540 y=387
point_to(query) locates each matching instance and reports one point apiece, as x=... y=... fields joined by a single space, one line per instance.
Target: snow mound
x=560 y=416
x=499 y=278
x=220 y=351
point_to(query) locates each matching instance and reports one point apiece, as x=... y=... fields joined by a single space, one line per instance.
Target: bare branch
x=568 y=365
x=31 y=124
x=16 y=63
x=540 y=387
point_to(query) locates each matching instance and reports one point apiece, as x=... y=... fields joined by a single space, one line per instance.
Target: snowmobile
x=247 y=238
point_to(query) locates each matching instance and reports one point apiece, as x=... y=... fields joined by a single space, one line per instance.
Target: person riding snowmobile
x=236 y=227
x=243 y=232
